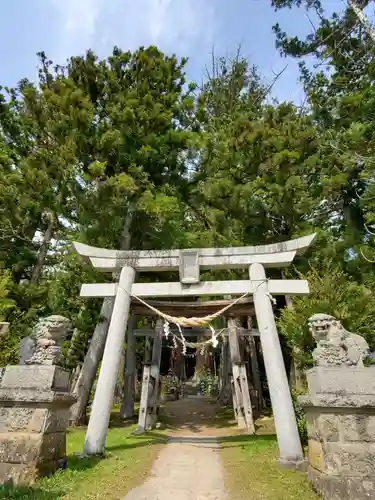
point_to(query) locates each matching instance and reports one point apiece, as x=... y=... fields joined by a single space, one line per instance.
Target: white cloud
x=180 y=26
x=78 y=21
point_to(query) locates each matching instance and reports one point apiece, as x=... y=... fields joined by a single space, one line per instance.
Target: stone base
x=341 y=381
x=151 y=420
x=299 y=465
x=340 y=417
x=342 y=488
x=34 y=415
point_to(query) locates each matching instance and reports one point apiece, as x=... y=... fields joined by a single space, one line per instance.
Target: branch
x=362 y=19
x=277 y=76
x=368 y=260
x=368 y=230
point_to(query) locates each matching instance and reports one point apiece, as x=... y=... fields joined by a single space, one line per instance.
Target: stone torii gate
x=189 y=263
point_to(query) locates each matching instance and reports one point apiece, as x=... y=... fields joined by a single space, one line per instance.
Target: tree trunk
x=296 y=375
x=127 y=407
x=94 y=354
x=255 y=375
x=43 y=249
x=90 y=365
x=225 y=389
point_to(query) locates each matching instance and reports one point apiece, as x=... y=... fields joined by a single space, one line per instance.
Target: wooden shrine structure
x=189 y=263
x=235 y=375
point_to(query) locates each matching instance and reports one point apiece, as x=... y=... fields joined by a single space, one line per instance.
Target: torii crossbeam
x=189 y=262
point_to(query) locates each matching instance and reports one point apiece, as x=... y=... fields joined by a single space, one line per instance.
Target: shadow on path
x=197 y=416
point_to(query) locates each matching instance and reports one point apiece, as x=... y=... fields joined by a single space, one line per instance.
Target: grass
x=252 y=471
x=126 y=464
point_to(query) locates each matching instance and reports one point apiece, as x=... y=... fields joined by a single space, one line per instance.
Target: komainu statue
x=49 y=333
x=335 y=345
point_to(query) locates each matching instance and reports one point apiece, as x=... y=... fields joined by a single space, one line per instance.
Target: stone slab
x=350 y=459
x=342 y=488
x=17 y=474
x=348 y=404
x=33 y=420
x=42 y=377
x=53 y=447
x=19 y=448
x=323 y=426
x=24 y=448
x=31 y=397
x=341 y=381
x=357 y=427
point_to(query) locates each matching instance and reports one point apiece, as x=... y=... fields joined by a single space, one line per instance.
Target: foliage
x=91 y=141
x=300 y=417
x=258 y=174
x=331 y=292
x=208 y=384
x=124 y=152
x=5 y=302
x=340 y=92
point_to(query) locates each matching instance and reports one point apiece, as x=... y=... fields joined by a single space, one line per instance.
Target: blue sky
x=186 y=27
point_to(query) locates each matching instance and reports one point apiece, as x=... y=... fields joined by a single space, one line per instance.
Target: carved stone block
x=34 y=415
x=189 y=267
x=340 y=415
x=341 y=380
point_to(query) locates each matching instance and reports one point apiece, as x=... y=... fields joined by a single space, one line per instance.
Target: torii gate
x=189 y=263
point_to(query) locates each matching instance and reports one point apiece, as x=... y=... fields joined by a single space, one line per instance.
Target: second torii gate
x=189 y=263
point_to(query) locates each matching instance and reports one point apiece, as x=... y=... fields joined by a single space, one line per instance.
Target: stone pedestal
x=340 y=414
x=34 y=415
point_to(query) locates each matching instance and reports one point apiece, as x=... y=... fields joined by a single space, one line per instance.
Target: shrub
x=300 y=416
x=331 y=292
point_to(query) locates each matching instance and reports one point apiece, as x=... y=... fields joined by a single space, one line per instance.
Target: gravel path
x=189 y=466
x=186 y=469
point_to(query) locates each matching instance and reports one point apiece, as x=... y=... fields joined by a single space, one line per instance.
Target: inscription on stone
x=189 y=268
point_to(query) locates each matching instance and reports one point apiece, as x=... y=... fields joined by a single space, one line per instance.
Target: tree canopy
x=126 y=152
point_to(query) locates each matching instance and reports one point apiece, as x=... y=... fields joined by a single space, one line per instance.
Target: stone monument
x=340 y=413
x=34 y=408
x=4 y=328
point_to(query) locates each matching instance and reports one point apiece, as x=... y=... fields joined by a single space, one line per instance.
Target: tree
x=331 y=292
x=137 y=155
x=257 y=179
x=340 y=92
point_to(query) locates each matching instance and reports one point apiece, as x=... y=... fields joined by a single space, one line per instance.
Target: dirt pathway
x=189 y=466
x=196 y=417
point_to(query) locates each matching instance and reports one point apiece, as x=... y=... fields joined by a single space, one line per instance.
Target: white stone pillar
x=101 y=409
x=285 y=421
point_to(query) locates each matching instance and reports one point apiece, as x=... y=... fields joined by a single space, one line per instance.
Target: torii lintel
x=272 y=255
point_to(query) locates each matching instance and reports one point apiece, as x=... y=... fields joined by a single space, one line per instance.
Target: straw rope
x=191 y=322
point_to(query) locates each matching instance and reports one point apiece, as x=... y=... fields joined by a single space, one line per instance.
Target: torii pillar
x=101 y=409
x=285 y=421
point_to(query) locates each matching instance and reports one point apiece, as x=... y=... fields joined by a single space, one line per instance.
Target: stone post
x=26 y=349
x=101 y=409
x=34 y=409
x=282 y=406
x=4 y=328
x=340 y=414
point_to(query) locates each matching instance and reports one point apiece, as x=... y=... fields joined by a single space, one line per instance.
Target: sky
x=192 y=28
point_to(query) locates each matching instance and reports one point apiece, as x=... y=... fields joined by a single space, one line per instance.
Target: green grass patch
x=252 y=471
x=126 y=464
